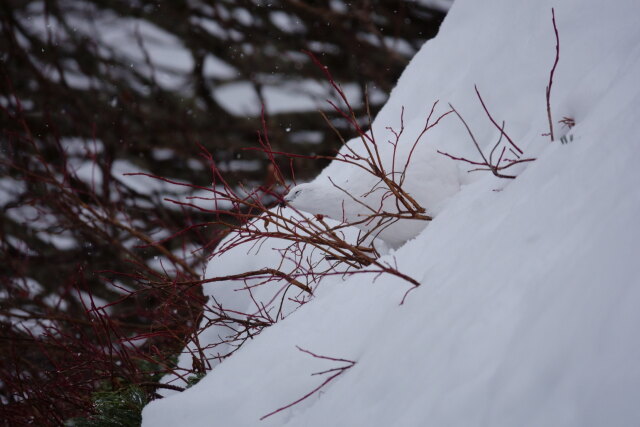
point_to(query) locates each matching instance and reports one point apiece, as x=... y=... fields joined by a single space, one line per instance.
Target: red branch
x=500 y=128
x=338 y=371
x=551 y=74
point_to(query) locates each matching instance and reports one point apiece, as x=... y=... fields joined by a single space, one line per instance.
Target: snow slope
x=528 y=310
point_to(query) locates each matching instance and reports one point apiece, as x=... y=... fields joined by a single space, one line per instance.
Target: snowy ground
x=528 y=310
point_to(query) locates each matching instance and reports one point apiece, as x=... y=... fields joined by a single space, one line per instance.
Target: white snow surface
x=528 y=310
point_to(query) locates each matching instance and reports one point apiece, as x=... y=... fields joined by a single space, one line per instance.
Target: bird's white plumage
x=347 y=193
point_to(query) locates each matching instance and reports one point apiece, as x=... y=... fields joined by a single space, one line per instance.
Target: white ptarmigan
x=345 y=192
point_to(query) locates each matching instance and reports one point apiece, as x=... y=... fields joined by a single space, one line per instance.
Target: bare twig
x=338 y=371
x=552 y=72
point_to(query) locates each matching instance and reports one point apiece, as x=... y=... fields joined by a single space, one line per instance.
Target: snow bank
x=528 y=308
x=251 y=299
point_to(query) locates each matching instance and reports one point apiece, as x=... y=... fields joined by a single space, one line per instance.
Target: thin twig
x=552 y=72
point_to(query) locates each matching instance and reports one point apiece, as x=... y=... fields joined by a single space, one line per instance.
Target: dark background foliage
x=92 y=89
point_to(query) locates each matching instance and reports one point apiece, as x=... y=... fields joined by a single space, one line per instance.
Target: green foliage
x=195 y=379
x=153 y=370
x=122 y=408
